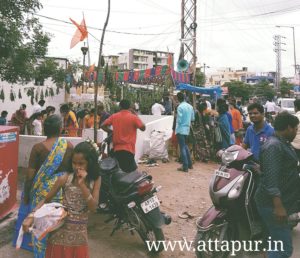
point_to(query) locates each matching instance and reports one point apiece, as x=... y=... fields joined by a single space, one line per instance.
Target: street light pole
x=294 y=43
x=84 y=50
x=204 y=66
x=295 y=62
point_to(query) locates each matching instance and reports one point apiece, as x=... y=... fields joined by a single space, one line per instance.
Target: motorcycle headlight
x=228 y=157
x=236 y=190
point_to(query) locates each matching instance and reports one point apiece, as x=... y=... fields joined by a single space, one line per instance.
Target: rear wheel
x=206 y=245
x=147 y=232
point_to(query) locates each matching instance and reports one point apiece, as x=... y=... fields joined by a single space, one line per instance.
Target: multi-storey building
x=138 y=59
x=228 y=75
x=112 y=61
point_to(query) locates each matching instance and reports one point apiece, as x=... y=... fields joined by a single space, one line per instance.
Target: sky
x=230 y=33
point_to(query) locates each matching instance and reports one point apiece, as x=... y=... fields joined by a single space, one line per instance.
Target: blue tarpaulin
x=212 y=91
x=297 y=88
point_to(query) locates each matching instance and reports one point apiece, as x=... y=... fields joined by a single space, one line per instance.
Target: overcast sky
x=230 y=33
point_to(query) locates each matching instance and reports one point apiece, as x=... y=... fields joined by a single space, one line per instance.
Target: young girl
x=80 y=194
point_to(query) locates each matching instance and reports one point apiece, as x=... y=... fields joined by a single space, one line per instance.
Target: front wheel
x=151 y=236
x=208 y=243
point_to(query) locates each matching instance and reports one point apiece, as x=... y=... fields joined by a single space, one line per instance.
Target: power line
x=96 y=10
x=112 y=31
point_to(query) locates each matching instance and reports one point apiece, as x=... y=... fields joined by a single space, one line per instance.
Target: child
x=80 y=194
x=37 y=124
x=3 y=117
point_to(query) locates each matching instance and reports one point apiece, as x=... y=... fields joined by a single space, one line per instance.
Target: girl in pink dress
x=80 y=194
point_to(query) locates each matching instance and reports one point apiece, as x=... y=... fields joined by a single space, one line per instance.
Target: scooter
x=233 y=215
x=132 y=201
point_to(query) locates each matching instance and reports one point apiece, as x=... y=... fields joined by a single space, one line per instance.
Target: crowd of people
x=73 y=121
x=58 y=172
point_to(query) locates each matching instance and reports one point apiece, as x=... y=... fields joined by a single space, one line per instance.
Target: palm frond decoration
x=19 y=94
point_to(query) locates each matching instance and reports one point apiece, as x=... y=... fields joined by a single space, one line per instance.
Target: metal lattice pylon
x=278 y=48
x=188 y=32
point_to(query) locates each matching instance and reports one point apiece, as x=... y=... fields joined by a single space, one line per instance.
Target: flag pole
x=98 y=71
x=87 y=42
x=89 y=55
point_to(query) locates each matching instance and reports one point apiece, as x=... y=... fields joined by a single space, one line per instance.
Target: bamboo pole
x=98 y=71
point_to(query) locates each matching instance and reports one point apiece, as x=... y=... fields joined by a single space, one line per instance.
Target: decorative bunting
x=180 y=77
x=142 y=75
x=136 y=75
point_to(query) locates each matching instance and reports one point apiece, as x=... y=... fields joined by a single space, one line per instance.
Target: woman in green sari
x=48 y=160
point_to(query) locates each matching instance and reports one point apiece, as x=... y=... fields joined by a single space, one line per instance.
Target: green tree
x=285 y=87
x=263 y=89
x=238 y=89
x=199 y=78
x=22 y=40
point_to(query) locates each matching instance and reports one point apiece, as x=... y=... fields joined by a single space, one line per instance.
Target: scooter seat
x=122 y=181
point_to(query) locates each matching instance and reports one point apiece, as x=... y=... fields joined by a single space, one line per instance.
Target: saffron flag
x=170 y=60
x=92 y=68
x=80 y=34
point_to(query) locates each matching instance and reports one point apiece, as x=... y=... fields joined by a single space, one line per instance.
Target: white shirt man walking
x=157 y=109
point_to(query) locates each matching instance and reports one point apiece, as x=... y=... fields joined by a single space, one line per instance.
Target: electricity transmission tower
x=188 y=33
x=278 y=48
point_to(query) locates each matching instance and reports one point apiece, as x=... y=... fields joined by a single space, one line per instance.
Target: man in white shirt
x=157 y=109
x=37 y=124
x=39 y=107
x=296 y=142
x=208 y=104
x=270 y=106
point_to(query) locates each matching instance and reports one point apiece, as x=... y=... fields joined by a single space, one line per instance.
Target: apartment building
x=112 y=61
x=139 y=59
x=228 y=74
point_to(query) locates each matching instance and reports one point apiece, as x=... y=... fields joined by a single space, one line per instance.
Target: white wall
x=26 y=143
x=152 y=123
x=12 y=106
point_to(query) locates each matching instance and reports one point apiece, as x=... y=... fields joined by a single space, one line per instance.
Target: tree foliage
x=238 y=89
x=22 y=40
x=285 y=87
x=263 y=89
x=199 y=78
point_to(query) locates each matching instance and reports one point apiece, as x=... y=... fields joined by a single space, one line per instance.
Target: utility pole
x=277 y=43
x=188 y=50
x=294 y=44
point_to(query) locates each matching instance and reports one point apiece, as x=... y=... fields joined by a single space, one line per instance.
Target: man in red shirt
x=124 y=123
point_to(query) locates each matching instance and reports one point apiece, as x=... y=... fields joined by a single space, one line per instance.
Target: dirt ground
x=180 y=192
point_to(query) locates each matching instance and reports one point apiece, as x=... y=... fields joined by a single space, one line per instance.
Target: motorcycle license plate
x=150 y=204
x=222 y=174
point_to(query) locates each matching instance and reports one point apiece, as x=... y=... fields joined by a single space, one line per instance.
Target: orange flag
x=170 y=60
x=92 y=68
x=80 y=34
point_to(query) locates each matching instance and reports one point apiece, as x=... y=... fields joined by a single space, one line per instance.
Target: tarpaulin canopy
x=212 y=91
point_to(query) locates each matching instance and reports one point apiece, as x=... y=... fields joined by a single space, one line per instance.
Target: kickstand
x=117 y=226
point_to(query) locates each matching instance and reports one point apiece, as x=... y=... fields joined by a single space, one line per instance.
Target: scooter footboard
x=211 y=218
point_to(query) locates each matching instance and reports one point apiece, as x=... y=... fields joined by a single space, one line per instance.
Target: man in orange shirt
x=237 y=122
x=125 y=124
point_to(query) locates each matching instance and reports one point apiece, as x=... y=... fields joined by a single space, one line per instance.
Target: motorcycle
x=132 y=200
x=233 y=215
